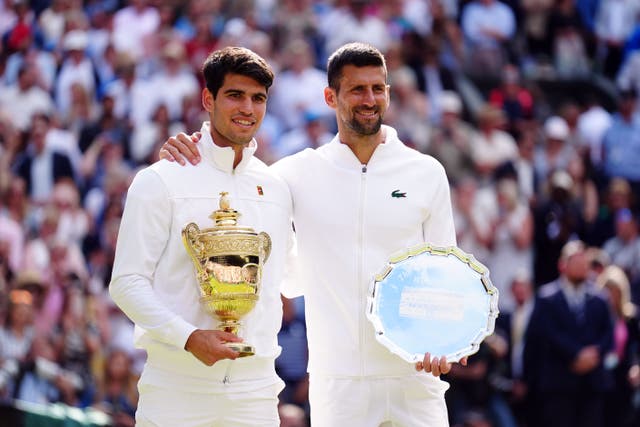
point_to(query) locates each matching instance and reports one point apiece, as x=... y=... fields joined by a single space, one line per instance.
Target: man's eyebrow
x=231 y=91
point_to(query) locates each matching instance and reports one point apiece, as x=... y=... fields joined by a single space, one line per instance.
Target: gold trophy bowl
x=228 y=259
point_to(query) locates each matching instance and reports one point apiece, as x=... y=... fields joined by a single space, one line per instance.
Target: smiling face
x=360 y=100
x=237 y=110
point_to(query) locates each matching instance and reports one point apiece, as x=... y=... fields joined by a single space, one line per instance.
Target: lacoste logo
x=397 y=193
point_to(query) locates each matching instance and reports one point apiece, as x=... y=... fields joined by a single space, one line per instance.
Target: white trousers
x=410 y=401
x=165 y=407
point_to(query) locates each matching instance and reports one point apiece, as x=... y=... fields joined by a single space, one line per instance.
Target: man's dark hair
x=356 y=54
x=235 y=60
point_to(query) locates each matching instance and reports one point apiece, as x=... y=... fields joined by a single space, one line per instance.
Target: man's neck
x=237 y=148
x=238 y=155
x=362 y=146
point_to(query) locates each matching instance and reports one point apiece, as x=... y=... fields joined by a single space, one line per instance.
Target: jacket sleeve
x=438 y=228
x=143 y=236
x=292 y=285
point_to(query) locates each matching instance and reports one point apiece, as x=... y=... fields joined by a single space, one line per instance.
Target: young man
x=357 y=200
x=187 y=380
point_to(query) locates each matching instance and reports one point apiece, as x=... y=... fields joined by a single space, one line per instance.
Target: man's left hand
x=436 y=365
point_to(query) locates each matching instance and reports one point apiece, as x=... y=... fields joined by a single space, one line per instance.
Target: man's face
x=237 y=111
x=577 y=267
x=27 y=79
x=626 y=228
x=362 y=99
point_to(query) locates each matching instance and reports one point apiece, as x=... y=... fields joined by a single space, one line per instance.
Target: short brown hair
x=235 y=60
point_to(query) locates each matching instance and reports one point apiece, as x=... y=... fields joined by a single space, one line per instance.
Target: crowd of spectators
x=90 y=89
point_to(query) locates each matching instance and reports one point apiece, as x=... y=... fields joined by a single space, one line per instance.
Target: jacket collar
x=222 y=157
x=342 y=155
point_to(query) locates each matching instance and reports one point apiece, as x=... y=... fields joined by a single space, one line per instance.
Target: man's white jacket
x=349 y=218
x=154 y=280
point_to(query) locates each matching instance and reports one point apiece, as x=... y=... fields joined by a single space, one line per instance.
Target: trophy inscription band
x=228 y=260
x=432 y=299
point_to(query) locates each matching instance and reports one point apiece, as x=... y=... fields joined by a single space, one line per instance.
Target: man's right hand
x=587 y=360
x=208 y=345
x=180 y=147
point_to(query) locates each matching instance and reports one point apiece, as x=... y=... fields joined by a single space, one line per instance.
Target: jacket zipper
x=361 y=296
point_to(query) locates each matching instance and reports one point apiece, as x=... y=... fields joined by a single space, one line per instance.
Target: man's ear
x=330 y=97
x=207 y=100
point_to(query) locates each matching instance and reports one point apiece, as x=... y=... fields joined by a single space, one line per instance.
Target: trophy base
x=244 y=349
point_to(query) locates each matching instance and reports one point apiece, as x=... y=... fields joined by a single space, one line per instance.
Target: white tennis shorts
x=164 y=407
x=410 y=401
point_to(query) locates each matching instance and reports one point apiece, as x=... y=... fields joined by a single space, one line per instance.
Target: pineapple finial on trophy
x=225 y=216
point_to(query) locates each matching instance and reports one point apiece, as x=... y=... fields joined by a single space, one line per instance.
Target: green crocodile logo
x=397 y=193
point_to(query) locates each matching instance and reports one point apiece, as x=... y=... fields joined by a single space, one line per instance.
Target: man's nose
x=368 y=97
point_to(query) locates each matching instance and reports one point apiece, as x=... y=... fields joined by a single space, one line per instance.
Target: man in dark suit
x=431 y=77
x=570 y=332
x=40 y=166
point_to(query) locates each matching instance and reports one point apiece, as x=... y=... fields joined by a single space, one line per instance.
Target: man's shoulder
x=549 y=290
x=165 y=172
x=296 y=161
x=167 y=168
x=425 y=162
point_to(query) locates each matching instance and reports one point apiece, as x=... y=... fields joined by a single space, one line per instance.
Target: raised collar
x=342 y=155
x=222 y=157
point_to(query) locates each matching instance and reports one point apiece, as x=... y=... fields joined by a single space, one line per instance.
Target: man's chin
x=366 y=129
x=244 y=140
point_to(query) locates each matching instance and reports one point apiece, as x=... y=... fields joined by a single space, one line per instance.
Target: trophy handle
x=265 y=242
x=189 y=237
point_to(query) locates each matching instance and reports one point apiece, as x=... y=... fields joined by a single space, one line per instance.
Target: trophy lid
x=226 y=218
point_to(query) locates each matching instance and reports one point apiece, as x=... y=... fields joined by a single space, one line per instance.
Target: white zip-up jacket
x=349 y=218
x=154 y=279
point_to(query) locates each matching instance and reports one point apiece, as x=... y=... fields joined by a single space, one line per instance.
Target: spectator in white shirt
x=614 y=23
x=487 y=25
x=353 y=24
x=76 y=68
x=132 y=27
x=592 y=124
x=130 y=92
x=289 y=102
x=25 y=98
x=556 y=153
x=491 y=146
x=174 y=82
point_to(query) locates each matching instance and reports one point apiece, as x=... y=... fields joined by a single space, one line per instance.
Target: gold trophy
x=228 y=260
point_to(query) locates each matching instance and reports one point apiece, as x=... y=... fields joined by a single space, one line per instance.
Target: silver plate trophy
x=432 y=299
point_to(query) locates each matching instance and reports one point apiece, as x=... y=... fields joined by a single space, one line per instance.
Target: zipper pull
x=227 y=378
x=364 y=168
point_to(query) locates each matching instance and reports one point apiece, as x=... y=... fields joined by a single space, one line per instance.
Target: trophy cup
x=228 y=259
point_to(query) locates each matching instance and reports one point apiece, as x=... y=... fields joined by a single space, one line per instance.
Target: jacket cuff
x=178 y=332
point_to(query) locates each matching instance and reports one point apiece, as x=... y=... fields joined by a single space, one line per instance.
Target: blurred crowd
x=90 y=89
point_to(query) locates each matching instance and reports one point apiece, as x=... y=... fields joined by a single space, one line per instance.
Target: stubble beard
x=365 y=129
